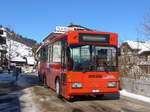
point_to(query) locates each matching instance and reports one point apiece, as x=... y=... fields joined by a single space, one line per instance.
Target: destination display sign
x=96 y=38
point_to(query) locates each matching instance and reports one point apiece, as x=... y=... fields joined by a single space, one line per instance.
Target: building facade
x=62 y=29
x=3 y=50
x=134 y=61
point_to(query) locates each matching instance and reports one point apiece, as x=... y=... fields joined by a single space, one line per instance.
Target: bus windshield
x=93 y=58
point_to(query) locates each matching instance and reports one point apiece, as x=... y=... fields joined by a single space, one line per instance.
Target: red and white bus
x=80 y=63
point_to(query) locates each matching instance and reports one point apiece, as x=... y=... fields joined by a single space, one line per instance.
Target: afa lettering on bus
x=95 y=76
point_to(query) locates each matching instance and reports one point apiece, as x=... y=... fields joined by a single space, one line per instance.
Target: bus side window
x=44 y=54
x=63 y=53
x=50 y=52
x=56 y=52
x=41 y=55
x=49 y=49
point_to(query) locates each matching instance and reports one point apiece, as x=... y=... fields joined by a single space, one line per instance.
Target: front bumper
x=89 y=90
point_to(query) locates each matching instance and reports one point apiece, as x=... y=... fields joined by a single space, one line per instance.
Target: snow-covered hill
x=16 y=50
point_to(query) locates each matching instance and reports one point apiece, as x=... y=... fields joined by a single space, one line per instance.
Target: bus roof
x=79 y=31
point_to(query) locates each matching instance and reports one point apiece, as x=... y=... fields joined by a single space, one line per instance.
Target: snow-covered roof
x=18 y=59
x=2 y=29
x=30 y=60
x=141 y=46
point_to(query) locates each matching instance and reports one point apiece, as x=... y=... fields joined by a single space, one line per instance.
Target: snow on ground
x=27 y=104
x=26 y=94
x=135 y=96
x=27 y=82
x=8 y=93
x=23 y=81
x=5 y=77
x=21 y=99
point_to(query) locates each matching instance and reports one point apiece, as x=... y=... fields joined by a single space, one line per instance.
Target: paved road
x=45 y=101
x=36 y=98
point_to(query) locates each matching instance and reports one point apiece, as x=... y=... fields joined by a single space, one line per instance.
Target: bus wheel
x=58 y=88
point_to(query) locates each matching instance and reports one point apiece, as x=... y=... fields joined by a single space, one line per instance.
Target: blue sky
x=37 y=18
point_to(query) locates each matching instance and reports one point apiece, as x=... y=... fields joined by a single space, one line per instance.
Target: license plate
x=95 y=91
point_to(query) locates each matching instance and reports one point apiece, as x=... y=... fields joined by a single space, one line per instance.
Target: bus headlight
x=111 y=84
x=76 y=85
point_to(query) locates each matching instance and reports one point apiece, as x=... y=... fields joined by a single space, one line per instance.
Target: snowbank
x=135 y=96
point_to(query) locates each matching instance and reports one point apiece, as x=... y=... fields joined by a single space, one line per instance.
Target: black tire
x=58 y=88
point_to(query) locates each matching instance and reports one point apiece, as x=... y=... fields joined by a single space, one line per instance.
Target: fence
x=137 y=86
